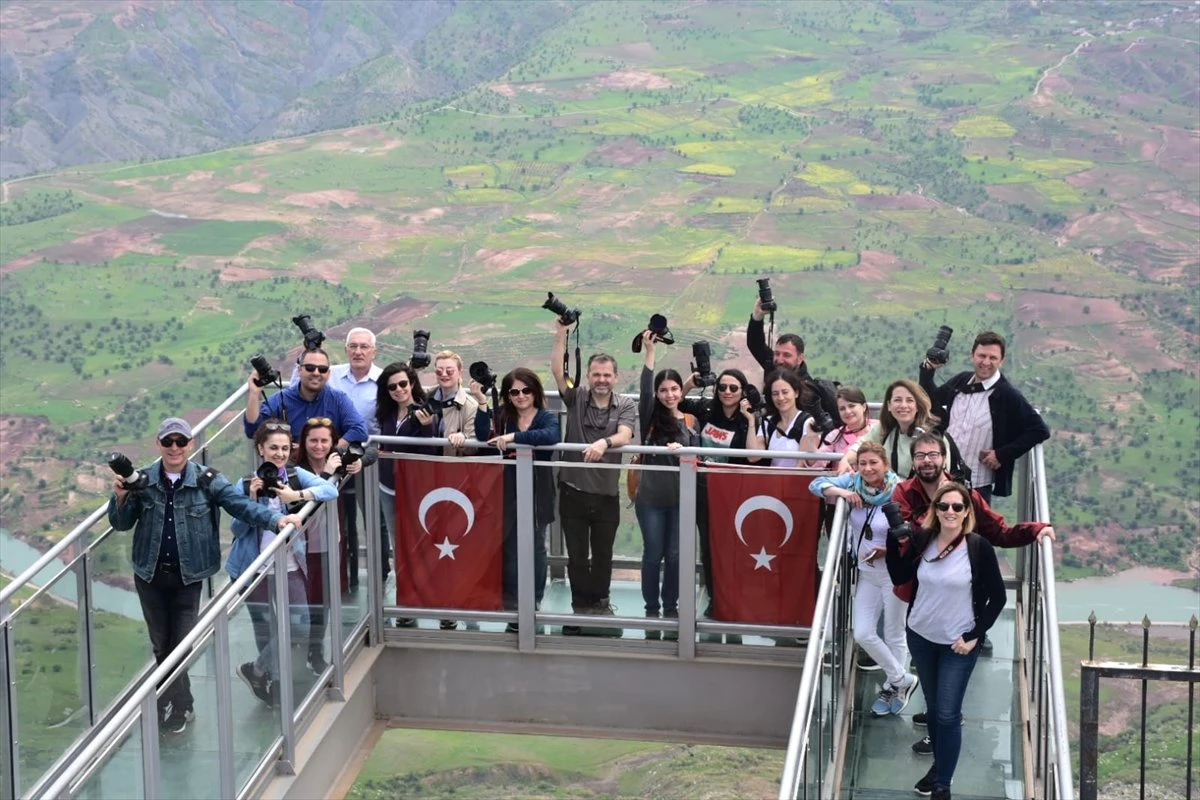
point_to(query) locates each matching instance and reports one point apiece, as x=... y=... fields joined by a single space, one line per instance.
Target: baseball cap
x=174 y=425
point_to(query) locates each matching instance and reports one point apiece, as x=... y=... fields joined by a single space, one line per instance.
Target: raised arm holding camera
x=989 y=419
x=176 y=545
x=309 y=398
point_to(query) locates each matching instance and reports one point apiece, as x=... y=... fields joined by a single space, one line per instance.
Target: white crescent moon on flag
x=447 y=495
x=762 y=502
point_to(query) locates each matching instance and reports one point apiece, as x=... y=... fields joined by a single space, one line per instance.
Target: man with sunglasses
x=310 y=397
x=913 y=495
x=176 y=545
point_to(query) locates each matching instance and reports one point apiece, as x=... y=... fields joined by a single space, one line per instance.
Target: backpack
x=906 y=591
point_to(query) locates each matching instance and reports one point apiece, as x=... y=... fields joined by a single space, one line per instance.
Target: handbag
x=633 y=477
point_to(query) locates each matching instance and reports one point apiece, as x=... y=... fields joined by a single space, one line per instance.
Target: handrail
x=79 y=530
x=809 y=679
x=1064 y=785
x=204 y=627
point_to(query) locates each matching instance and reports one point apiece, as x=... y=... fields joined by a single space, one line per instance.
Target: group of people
x=946 y=573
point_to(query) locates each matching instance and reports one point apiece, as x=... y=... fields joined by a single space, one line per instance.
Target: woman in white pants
x=866 y=491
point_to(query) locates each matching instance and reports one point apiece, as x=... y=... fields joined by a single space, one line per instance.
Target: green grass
x=218 y=237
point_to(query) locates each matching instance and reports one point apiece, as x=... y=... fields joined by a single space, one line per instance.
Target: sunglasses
x=524 y=390
x=397 y=385
x=278 y=427
x=321 y=368
x=957 y=507
x=324 y=422
x=446 y=370
x=729 y=387
x=175 y=441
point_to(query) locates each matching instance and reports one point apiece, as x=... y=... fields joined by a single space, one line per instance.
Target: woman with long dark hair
x=663 y=424
x=856 y=421
x=316 y=454
x=906 y=412
x=522 y=419
x=786 y=428
x=958 y=593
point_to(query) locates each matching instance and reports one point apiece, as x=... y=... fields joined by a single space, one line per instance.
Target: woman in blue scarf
x=866 y=491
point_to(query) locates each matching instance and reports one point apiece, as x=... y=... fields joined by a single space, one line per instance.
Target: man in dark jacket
x=176 y=545
x=788 y=353
x=989 y=419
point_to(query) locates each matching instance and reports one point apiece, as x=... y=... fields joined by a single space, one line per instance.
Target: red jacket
x=910 y=494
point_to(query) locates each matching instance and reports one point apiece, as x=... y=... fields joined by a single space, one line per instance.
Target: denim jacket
x=199 y=542
x=245 y=535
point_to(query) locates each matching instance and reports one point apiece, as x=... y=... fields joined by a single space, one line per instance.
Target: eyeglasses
x=397 y=385
x=958 y=507
x=321 y=422
x=360 y=347
x=321 y=368
x=729 y=387
x=926 y=456
x=175 y=441
x=278 y=427
x=524 y=390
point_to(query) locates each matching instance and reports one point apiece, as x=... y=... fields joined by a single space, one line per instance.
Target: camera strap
x=578 y=358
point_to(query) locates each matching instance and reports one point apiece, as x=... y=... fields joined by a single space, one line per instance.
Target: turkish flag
x=450 y=532
x=763 y=532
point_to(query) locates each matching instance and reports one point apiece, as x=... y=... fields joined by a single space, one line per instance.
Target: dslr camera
x=822 y=420
x=657 y=326
x=483 y=375
x=938 y=354
x=134 y=480
x=349 y=453
x=754 y=397
x=269 y=474
x=312 y=337
x=266 y=373
x=766 y=300
x=702 y=366
x=897 y=525
x=567 y=316
x=420 y=354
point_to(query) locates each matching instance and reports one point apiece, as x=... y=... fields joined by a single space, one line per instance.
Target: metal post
x=1191 y=712
x=87 y=654
x=151 y=768
x=333 y=590
x=374 y=559
x=283 y=640
x=1089 y=731
x=688 y=468
x=526 y=525
x=224 y=668
x=1145 y=686
x=9 y=733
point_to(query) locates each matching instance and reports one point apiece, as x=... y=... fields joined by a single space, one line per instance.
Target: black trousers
x=170 y=608
x=352 y=495
x=589 y=524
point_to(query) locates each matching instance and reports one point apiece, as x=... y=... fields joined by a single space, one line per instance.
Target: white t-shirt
x=783 y=441
x=943 y=610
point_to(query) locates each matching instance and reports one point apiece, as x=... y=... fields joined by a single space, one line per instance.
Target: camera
x=134 y=481
x=349 y=453
x=266 y=373
x=702 y=367
x=754 y=397
x=312 y=337
x=897 y=525
x=766 y=300
x=269 y=473
x=482 y=374
x=567 y=316
x=823 y=422
x=420 y=354
x=938 y=354
x=657 y=326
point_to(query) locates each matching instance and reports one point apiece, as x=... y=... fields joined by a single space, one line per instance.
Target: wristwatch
x=608 y=441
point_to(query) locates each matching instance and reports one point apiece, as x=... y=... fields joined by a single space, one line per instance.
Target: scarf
x=872 y=496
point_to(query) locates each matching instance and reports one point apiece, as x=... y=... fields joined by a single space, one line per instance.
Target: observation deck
x=78 y=686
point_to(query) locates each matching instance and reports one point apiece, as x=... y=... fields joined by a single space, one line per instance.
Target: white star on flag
x=762 y=560
x=447 y=550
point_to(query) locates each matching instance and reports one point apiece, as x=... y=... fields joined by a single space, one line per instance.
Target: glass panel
x=321 y=565
x=190 y=762
x=121 y=774
x=256 y=721
x=49 y=679
x=120 y=644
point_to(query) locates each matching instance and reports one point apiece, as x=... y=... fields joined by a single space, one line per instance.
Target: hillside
x=130 y=80
x=1028 y=167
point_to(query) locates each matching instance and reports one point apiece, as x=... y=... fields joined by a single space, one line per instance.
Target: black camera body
x=938 y=354
x=483 y=375
x=312 y=337
x=766 y=300
x=349 y=453
x=897 y=525
x=754 y=397
x=656 y=326
x=702 y=366
x=269 y=474
x=266 y=373
x=823 y=421
x=567 y=316
x=121 y=465
x=420 y=351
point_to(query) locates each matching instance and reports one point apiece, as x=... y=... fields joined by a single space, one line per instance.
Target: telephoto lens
x=312 y=337
x=938 y=354
x=567 y=316
x=420 y=353
x=897 y=526
x=270 y=476
x=482 y=374
x=133 y=480
x=266 y=373
x=702 y=367
x=766 y=300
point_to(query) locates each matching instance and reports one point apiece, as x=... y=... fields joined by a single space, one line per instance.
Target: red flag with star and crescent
x=450 y=534
x=763 y=531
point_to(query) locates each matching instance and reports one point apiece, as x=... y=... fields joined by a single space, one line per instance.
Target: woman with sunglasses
x=663 y=424
x=286 y=487
x=399 y=412
x=457 y=405
x=726 y=422
x=522 y=419
x=856 y=421
x=958 y=593
x=866 y=491
x=906 y=412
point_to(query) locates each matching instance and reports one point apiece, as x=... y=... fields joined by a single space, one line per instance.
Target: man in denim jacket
x=176 y=545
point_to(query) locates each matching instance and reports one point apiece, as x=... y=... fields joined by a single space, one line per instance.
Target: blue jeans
x=660 y=539
x=944 y=675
